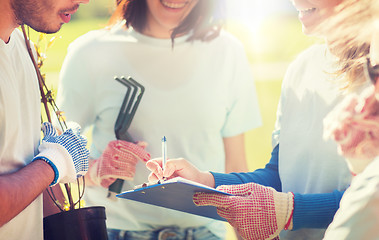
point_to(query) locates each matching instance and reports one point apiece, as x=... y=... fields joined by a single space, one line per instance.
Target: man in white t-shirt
x=23 y=176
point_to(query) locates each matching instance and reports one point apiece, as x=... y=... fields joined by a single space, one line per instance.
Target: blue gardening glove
x=67 y=153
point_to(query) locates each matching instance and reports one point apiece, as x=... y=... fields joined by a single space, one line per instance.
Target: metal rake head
x=129 y=107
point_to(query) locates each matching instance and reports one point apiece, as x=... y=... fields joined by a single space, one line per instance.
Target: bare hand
x=178 y=167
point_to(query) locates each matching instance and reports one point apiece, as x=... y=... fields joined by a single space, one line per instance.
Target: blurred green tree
x=95 y=9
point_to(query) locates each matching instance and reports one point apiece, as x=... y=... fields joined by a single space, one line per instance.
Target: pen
x=164 y=153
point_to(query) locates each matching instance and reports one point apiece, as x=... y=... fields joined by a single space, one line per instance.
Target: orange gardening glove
x=118 y=160
x=257 y=212
x=354 y=125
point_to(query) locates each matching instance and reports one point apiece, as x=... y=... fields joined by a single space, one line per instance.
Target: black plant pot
x=79 y=224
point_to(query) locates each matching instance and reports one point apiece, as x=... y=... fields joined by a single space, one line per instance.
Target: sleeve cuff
x=225 y=179
x=315 y=210
x=56 y=172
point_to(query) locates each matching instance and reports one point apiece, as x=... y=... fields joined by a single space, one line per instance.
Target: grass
x=258 y=141
x=69 y=32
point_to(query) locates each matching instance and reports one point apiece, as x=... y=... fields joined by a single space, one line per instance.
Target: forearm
x=315 y=210
x=19 y=189
x=268 y=176
x=91 y=171
x=235 y=156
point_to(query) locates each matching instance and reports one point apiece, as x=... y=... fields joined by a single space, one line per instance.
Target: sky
x=259 y=7
x=253 y=12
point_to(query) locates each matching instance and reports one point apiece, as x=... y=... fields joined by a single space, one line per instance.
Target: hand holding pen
x=163 y=161
x=166 y=169
x=164 y=154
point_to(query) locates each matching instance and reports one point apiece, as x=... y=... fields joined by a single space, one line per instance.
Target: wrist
x=51 y=165
x=289 y=224
x=284 y=205
x=61 y=159
x=92 y=175
x=357 y=166
x=207 y=179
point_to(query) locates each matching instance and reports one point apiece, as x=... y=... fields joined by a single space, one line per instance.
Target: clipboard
x=176 y=194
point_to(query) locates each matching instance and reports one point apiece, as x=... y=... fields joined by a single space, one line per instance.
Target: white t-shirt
x=307 y=162
x=358 y=215
x=20 y=129
x=196 y=94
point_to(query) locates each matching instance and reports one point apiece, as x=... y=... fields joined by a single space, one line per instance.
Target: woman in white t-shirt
x=199 y=93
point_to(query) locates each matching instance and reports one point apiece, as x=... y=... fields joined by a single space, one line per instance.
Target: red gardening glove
x=118 y=160
x=354 y=125
x=257 y=212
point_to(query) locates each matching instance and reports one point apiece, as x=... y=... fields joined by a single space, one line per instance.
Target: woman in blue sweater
x=302 y=185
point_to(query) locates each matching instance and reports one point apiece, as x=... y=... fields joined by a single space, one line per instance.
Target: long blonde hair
x=351 y=30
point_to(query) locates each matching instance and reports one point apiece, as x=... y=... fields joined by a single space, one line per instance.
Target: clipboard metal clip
x=146 y=184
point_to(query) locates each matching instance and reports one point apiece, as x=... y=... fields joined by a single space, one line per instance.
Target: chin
x=48 y=30
x=310 y=31
x=45 y=26
x=306 y=31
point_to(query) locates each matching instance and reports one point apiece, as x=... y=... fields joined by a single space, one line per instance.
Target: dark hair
x=205 y=20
